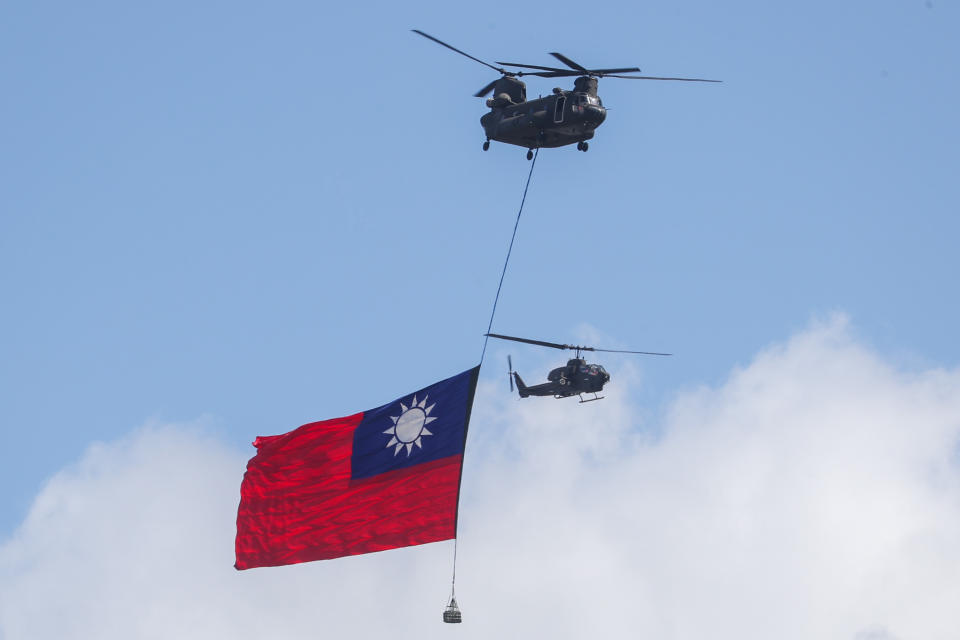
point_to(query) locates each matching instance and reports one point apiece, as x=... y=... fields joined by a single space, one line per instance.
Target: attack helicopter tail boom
x=521 y=388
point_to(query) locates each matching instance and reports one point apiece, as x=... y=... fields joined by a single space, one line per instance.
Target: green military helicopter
x=562 y=118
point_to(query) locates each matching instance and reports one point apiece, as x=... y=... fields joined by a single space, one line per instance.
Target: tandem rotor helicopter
x=565 y=117
x=574 y=379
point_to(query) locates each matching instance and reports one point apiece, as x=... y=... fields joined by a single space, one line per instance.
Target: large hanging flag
x=376 y=480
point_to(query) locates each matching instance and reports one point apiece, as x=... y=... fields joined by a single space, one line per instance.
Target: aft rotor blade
x=605 y=72
x=645 y=353
x=529 y=341
x=551 y=74
x=658 y=78
x=567 y=61
x=442 y=43
x=531 y=66
x=566 y=72
x=485 y=90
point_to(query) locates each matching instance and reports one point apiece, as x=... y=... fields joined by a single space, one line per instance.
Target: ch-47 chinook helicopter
x=565 y=117
x=574 y=379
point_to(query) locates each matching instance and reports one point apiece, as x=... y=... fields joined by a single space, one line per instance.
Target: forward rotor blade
x=529 y=341
x=567 y=61
x=485 y=90
x=444 y=44
x=657 y=78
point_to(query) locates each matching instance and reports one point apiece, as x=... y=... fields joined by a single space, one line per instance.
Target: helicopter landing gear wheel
x=583 y=146
x=486 y=145
x=530 y=154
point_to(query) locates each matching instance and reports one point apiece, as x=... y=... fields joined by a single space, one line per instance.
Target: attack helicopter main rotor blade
x=557 y=345
x=485 y=90
x=657 y=78
x=529 y=341
x=444 y=44
x=645 y=353
x=567 y=61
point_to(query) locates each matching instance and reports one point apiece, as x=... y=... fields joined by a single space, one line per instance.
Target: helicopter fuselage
x=566 y=117
x=562 y=118
x=576 y=378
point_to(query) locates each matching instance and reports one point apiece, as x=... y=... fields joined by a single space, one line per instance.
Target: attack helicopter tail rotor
x=510 y=372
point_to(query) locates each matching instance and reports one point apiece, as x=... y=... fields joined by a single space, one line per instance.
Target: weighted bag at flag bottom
x=380 y=479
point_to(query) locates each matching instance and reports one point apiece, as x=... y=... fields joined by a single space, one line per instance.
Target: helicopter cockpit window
x=593 y=100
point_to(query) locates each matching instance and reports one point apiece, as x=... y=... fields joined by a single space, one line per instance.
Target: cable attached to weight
x=452 y=612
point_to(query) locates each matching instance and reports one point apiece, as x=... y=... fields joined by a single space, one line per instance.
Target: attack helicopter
x=565 y=117
x=574 y=379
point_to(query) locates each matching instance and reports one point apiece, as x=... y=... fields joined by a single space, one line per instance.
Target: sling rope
x=493 y=312
x=509 y=251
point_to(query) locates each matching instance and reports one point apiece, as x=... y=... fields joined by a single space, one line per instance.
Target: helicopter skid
x=593 y=399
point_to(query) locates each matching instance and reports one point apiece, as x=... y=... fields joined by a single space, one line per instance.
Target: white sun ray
x=410 y=426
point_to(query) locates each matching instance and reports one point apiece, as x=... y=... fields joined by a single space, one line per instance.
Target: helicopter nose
x=595 y=114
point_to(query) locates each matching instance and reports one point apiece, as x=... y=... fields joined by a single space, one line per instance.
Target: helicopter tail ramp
x=521 y=388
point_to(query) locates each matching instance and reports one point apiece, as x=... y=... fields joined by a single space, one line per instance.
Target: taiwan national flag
x=376 y=480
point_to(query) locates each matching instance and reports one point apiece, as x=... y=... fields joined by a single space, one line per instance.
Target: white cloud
x=815 y=494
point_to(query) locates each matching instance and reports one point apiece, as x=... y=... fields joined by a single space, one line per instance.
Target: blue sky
x=260 y=216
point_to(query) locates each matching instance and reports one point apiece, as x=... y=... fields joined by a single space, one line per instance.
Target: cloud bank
x=814 y=494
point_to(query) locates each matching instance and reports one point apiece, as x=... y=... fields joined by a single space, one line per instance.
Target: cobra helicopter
x=574 y=379
x=565 y=117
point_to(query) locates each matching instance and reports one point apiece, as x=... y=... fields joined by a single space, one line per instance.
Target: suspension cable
x=509 y=251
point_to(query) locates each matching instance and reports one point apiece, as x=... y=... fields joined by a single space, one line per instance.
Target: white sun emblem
x=410 y=426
